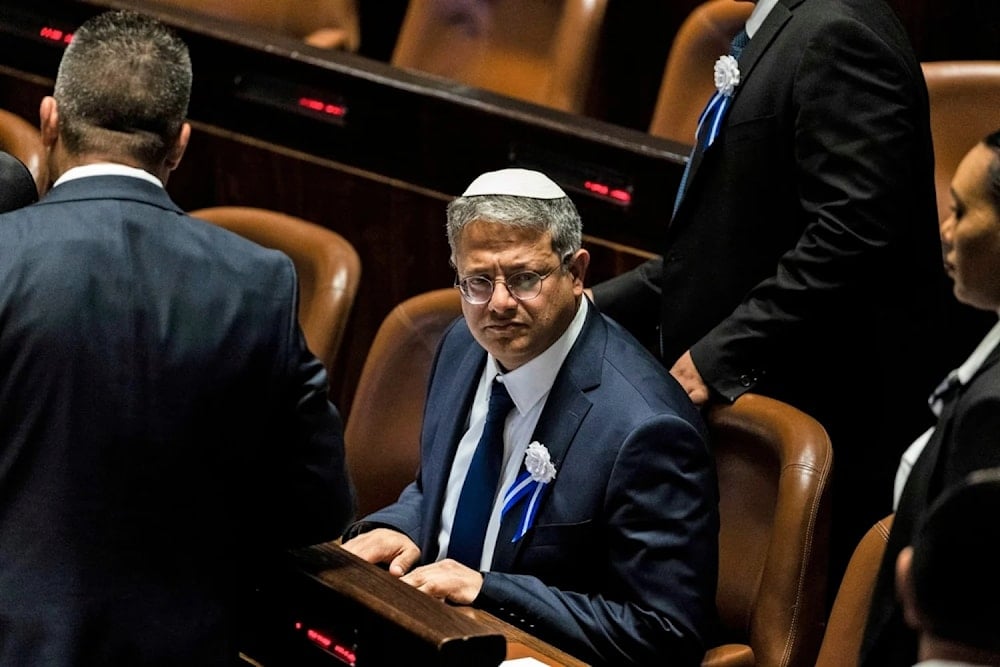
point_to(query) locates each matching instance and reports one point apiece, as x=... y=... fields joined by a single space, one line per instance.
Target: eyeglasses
x=523 y=286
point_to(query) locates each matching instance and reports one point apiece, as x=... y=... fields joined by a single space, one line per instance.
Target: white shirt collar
x=757 y=16
x=978 y=356
x=527 y=384
x=106 y=169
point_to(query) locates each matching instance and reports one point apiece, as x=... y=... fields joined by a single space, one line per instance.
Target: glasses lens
x=525 y=285
x=476 y=289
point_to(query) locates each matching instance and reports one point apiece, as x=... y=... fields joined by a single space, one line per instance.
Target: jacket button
x=746 y=380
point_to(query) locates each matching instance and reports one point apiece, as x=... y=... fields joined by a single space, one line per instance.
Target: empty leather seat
x=382 y=434
x=330 y=24
x=541 y=51
x=774 y=464
x=846 y=625
x=965 y=107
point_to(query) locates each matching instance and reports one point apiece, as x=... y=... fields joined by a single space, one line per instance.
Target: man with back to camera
x=585 y=510
x=163 y=427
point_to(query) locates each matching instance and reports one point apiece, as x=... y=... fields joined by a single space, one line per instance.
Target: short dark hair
x=992 y=142
x=123 y=87
x=956 y=580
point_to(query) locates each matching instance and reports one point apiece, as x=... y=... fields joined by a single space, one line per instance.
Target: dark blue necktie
x=475 y=504
x=710 y=120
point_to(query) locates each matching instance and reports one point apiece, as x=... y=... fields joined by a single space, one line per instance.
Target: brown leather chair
x=329 y=24
x=774 y=464
x=541 y=51
x=965 y=107
x=24 y=141
x=846 y=625
x=327 y=265
x=688 y=77
x=382 y=434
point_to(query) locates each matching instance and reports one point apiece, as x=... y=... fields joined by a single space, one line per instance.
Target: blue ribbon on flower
x=523 y=487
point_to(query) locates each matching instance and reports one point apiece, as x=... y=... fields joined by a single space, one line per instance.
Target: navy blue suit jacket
x=966 y=438
x=621 y=564
x=161 y=424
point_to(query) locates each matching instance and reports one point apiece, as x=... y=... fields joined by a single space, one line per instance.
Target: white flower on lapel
x=538 y=463
x=727 y=75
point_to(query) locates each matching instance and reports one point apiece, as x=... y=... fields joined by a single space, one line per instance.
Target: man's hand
x=447 y=580
x=685 y=372
x=384 y=545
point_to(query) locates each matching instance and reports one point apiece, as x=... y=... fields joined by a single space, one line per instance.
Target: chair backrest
x=382 y=434
x=327 y=265
x=24 y=141
x=965 y=107
x=774 y=464
x=541 y=51
x=846 y=625
x=688 y=80
x=331 y=24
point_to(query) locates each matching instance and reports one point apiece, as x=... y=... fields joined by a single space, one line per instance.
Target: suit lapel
x=564 y=411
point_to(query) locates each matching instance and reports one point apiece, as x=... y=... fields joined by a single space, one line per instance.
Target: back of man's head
x=123 y=88
x=954 y=572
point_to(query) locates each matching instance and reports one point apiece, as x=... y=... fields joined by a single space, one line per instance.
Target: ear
x=48 y=113
x=904 y=589
x=177 y=150
x=577 y=266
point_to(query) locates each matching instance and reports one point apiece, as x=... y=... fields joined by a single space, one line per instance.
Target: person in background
x=801 y=261
x=948 y=579
x=967 y=434
x=164 y=431
x=595 y=526
x=17 y=186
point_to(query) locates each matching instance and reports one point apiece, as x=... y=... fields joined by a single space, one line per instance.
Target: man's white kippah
x=516 y=182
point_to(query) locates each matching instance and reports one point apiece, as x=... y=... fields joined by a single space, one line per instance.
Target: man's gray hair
x=559 y=217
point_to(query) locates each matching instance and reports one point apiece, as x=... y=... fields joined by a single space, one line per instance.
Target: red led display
x=319 y=106
x=342 y=652
x=604 y=190
x=55 y=35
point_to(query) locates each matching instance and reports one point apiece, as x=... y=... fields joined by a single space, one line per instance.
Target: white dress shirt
x=757 y=16
x=529 y=387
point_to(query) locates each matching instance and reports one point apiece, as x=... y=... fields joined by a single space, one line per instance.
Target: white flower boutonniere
x=727 y=75
x=529 y=486
x=538 y=463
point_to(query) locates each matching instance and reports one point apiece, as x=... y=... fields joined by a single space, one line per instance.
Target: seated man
x=588 y=513
x=948 y=579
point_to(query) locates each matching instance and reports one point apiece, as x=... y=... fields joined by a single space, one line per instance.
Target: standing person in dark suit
x=163 y=426
x=802 y=260
x=967 y=434
x=598 y=529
